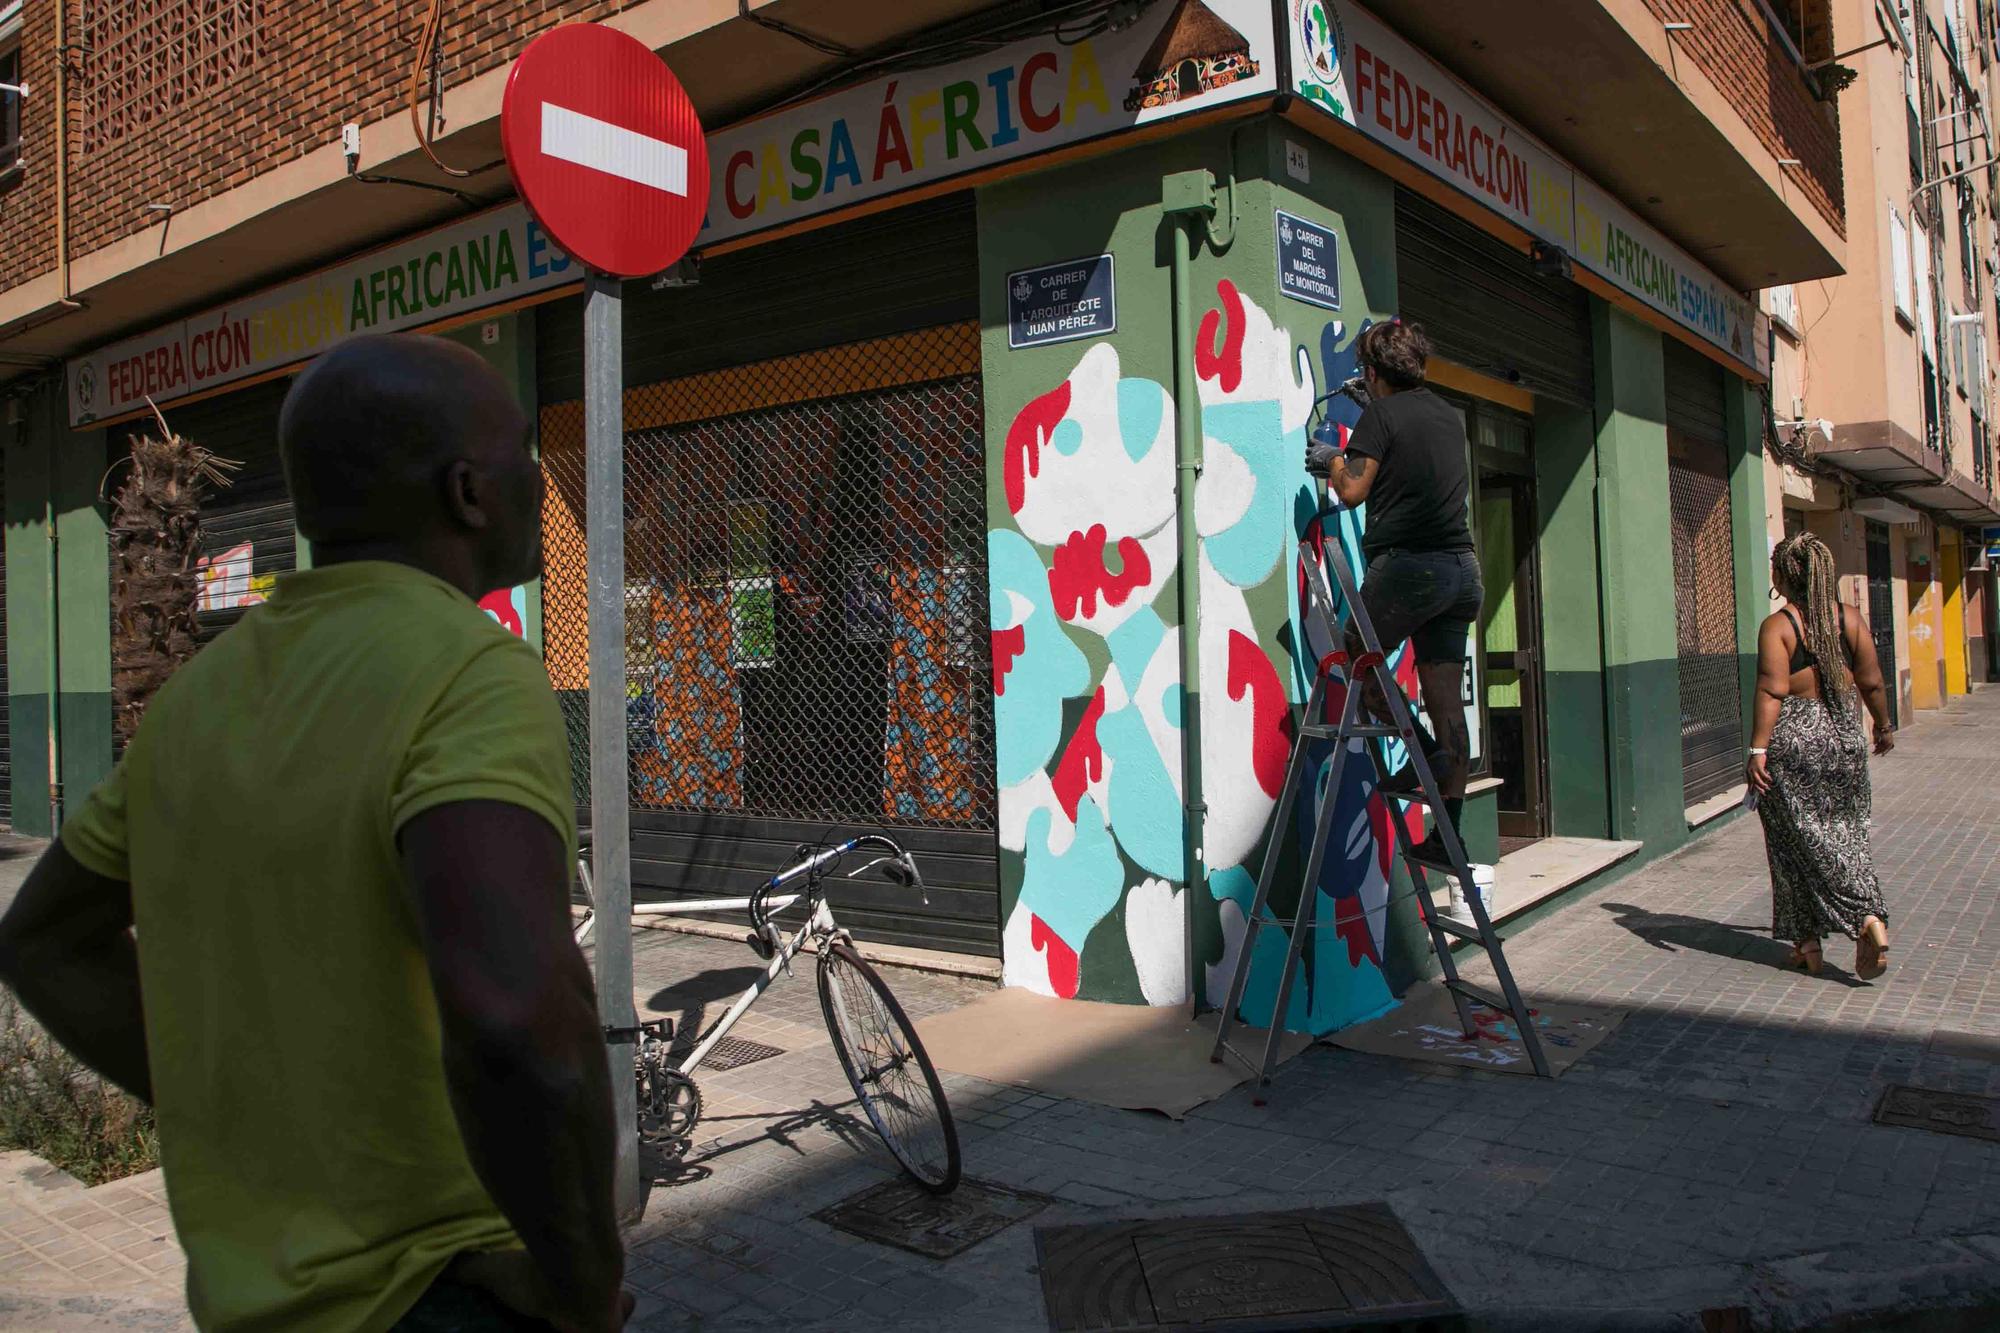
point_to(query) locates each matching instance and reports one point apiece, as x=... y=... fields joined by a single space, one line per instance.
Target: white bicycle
x=888 y=1068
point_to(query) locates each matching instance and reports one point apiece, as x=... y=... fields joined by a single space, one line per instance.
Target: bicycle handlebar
x=898 y=866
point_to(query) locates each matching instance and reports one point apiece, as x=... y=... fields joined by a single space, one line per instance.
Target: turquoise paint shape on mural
x=1142 y=406
x=1072 y=891
x=1067 y=437
x=1145 y=808
x=1047 y=668
x=1248 y=550
x=1327 y=992
x=1134 y=643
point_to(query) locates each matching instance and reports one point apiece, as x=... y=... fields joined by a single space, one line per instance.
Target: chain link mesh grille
x=1705 y=605
x=805 y=599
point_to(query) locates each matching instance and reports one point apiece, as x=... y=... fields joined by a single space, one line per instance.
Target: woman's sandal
x=1871 y=960
x=1807 y=955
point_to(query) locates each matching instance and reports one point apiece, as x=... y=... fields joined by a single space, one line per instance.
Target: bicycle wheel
x=888 y=1068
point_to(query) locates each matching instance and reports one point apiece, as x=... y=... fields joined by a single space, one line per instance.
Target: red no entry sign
x=606 y=149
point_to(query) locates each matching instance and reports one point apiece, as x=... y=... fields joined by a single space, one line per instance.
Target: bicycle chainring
x=669 y=1103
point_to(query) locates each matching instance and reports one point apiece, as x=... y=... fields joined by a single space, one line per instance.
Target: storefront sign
x=1308 y=261
x=1353 y=67
x=486 y=260
x=1061 y=302
x=1034 y=95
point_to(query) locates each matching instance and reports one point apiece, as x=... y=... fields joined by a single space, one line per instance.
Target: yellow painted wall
x=1926 y=627
x=1951 y=580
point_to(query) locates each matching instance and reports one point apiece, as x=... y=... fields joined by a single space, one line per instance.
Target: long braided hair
x=1802 y=569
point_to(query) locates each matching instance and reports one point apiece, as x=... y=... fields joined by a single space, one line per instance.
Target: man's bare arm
x=66 y=950
x=1352 y=477
x=524 y=1057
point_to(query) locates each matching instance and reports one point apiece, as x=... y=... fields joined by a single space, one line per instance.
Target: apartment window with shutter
x=1920 y=248
x=1785 y=308
x=1899 y=261
x=10 y=103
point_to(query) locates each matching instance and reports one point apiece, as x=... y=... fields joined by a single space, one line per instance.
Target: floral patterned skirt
x=1816 y=824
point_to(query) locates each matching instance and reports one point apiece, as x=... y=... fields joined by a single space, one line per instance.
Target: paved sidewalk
x=1715 y=1152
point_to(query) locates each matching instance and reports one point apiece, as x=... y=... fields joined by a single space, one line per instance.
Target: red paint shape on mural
x=1008 y=644
x=1062 y=960
x=1224 y=364
x=1082 y=762
x=1078 y=574
x=500 y=605
x=1025 y=438
x=1251 y=673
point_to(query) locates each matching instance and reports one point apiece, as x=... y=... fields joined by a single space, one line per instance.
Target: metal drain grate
x=1945 y=1112
x=729 y=1053
x=1320 y=1268
x=901 y=1214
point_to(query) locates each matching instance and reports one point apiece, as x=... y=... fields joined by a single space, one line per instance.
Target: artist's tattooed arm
x=1352 y=477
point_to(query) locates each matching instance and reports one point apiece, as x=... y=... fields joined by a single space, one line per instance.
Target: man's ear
x=464 y=495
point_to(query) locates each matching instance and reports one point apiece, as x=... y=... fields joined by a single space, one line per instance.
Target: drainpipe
x=62 y=149
x=54 y=590
x=1187 y=199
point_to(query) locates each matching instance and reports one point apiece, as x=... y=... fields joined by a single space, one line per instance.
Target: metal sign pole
x=611 y=867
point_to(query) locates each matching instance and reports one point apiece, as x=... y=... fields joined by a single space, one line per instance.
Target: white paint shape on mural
x=1238 y=809
x=1217 y=976
x=1087 y=472
x=1019 y=803
x=224 y=580
x=1270 y=372
x=1157 y=936
x=1222 y=496
x=1022 y=964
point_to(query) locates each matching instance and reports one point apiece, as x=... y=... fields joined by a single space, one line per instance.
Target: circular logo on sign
x=86 y=385
x=1320 y=38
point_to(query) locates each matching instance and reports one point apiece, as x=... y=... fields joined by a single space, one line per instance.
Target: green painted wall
x=1092 y=910
x=1572 y=629
x=1636 y=603
x=60 y=625
x=1750 y=539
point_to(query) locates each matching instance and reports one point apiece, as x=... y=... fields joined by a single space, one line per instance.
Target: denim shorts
x=1428 y=597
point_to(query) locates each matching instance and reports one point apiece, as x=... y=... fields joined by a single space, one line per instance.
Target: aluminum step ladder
x=1354 y=724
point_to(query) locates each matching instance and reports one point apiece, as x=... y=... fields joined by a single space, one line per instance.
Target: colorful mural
x=1088 y=697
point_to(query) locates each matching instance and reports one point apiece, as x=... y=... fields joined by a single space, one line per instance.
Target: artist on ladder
x=1407 y=460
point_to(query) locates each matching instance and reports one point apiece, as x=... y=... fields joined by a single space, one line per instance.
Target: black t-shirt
x=1418 y=500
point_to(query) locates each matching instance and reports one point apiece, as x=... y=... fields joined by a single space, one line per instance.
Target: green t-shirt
x=314 y=1168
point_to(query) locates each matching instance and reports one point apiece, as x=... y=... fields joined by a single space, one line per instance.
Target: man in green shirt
x=318 y=917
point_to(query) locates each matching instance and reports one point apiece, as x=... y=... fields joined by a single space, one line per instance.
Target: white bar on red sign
x=572 y=136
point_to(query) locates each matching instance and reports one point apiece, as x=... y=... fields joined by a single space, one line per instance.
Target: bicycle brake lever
x=862 y=870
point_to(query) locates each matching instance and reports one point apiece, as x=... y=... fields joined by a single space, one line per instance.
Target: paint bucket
x=1482 y=884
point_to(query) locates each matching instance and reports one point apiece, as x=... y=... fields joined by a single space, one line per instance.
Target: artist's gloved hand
x=1319 y=459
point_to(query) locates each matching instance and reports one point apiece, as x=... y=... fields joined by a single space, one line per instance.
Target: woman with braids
x=1809 y=764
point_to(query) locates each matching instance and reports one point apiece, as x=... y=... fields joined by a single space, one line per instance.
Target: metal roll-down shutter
x=1484 y=307
x=1711 y=690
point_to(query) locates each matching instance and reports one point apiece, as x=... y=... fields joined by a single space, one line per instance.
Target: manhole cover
x=729 y=1053
x=1945 y=1112
x=1316 y=1268
x=899 y=1213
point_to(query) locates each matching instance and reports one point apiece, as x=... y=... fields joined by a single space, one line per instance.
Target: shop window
x=144 y=61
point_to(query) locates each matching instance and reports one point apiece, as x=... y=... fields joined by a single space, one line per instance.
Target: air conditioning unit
x=1884 y=510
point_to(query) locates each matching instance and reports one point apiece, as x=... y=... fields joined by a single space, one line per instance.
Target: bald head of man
x=411 y=448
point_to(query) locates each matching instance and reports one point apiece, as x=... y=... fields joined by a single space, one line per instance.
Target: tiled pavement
x=1716 y=1151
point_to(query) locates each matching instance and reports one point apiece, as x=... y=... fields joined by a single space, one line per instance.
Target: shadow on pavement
x=1674 y=932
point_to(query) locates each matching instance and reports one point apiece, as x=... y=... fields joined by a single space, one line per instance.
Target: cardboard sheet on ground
x=1425 y=1027
x=1126 y=1055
